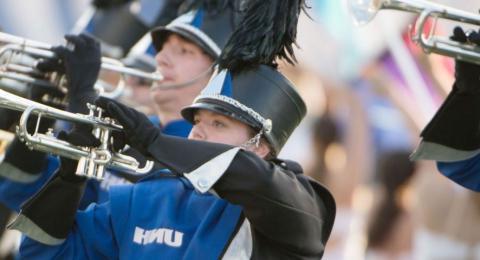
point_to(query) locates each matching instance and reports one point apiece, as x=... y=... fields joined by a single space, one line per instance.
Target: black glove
x=139 y=131
x=81 y=67
x=467 y=75
x=79 y=136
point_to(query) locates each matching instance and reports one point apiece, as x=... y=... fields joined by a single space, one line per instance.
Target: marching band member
x=452 y=137
x=185 y=57
x=225 y=195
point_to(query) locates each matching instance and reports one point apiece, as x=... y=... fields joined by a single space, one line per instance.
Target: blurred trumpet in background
x=363 y=11
x=18 y=57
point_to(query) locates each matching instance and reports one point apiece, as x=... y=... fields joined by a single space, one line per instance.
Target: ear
x=262 y=150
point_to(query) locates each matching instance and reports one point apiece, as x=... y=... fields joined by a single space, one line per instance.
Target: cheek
x=196 y=66
x=235 y=138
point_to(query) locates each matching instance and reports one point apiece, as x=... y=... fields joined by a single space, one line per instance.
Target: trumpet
x=92 y=161
x=364 y=11
x=23 y=69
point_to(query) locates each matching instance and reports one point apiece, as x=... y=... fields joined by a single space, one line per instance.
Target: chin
x=161 y=98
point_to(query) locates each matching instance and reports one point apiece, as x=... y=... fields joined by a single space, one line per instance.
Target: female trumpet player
x=225 y=194
x=452 y=137
x=185 y=58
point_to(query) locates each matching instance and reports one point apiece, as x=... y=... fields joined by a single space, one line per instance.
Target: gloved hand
x=467 y=75
x=139 y=131
x=81 y=67
x=79 y=136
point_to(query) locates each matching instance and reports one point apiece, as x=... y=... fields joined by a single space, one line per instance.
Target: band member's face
x=216 y=128
x=212 y=127
x=180 y=61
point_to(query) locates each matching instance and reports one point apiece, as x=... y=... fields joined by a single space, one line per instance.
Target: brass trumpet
x=364 y=11
x=92 y=160
x=18 y=58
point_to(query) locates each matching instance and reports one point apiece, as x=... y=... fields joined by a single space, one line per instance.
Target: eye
x=188 y=50
x=218 y=124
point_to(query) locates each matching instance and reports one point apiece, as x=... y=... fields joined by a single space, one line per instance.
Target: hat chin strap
x=183 y=84
x=253 y=141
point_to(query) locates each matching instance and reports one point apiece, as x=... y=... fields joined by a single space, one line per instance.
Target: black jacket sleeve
x=457 y=123
x=288 y=212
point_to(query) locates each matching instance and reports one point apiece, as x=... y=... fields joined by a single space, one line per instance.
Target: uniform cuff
x=433 y=151
x=23 y=224
x=205 y=176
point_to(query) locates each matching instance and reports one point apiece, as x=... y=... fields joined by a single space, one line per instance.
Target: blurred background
x=370 y=91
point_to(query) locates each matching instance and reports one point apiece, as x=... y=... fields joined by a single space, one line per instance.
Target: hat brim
x=160 y=34
x=220 y=108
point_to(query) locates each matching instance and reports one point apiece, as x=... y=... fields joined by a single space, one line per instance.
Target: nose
x=197 y=133
x=162 y=58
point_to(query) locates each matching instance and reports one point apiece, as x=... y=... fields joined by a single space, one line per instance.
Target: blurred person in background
x=340 y=140
x=137 y=90
x=389 y=224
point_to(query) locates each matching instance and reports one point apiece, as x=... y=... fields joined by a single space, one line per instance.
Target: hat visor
x=160 y=34
x=220 y=108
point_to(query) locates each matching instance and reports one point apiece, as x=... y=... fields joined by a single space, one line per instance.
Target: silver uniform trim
x=30 y=229
x=266 y=123
x=442 y=153
x=205 y=176
x=241 y=246
x=192 y=29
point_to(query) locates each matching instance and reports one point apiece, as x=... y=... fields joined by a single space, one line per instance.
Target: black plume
x=267 y=32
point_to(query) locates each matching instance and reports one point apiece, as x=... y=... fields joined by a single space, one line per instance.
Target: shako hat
x=208 y=25
x=247 y=86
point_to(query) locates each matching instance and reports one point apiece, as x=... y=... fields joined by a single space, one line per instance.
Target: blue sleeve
x=92 y=237
x=466 y=172
x=13 y=194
